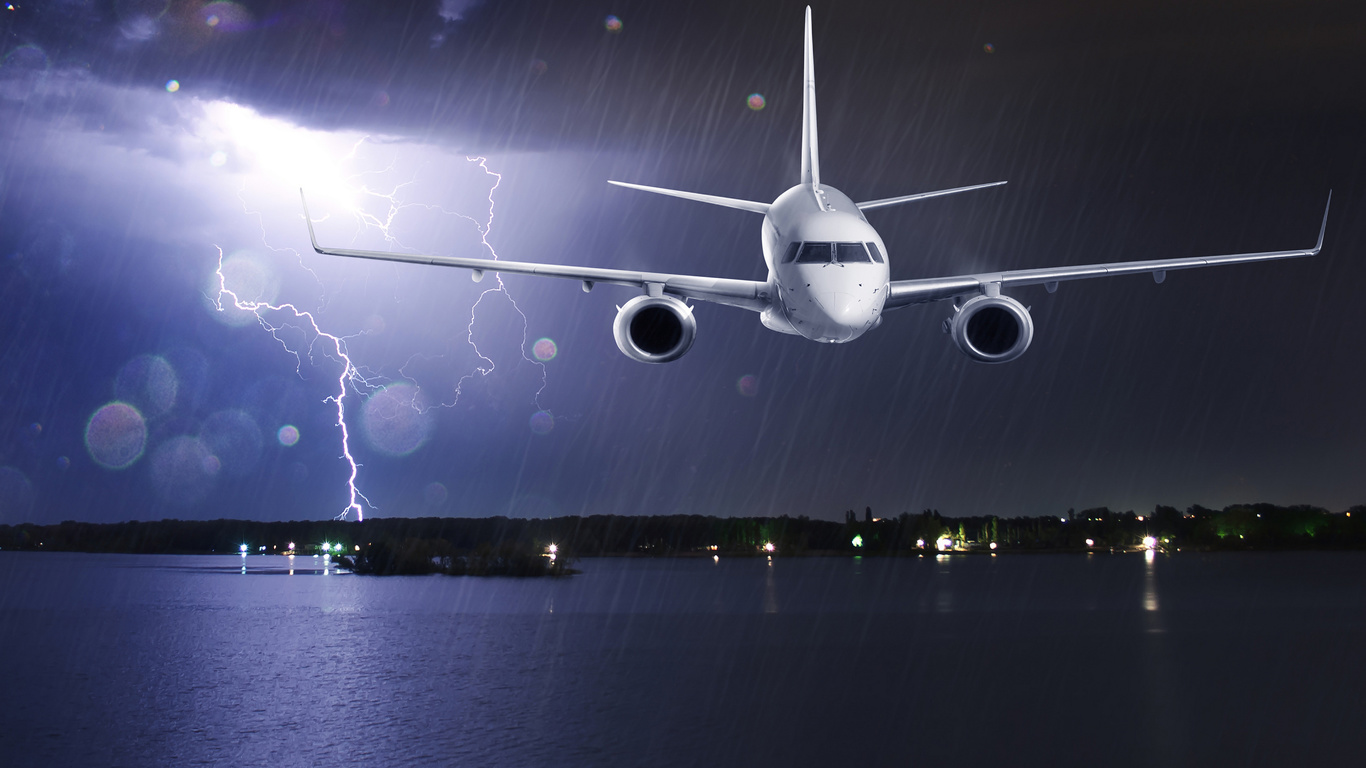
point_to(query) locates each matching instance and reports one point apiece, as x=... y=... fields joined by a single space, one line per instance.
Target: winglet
x=1323 y=226
x=309 y=220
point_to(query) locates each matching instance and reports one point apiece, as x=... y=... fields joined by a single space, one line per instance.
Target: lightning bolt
x=484 y=228
x=334 y=347
x=350 y=375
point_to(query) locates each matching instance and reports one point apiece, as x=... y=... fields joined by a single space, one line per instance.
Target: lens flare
x=26 y=58
x=756 y=101
x=149 y=383
x=183 y=470
x=989 y=48
x=542 y=422
x=394 y=420
x=234 y=439
x=544 y=349
x=435 y=494
x=16 y=496
x=116 y=435
x=613 y=24
x=226 y=17
x=748 y=385
x=288 y=435
x=172 y=86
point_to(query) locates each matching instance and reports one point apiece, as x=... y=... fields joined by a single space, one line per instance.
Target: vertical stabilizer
x=811 y=164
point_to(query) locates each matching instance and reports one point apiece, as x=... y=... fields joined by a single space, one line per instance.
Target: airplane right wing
x=746 y=294
x=902 y=293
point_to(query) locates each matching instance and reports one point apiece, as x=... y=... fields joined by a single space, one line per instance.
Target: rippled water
x=1251 y=659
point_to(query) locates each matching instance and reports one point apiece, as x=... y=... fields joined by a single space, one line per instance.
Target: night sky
x=1126 y=131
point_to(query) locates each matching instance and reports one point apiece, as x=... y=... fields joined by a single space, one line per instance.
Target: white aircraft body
x=828 y=277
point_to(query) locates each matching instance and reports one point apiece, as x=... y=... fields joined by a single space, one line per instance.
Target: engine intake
x=654 y=329
x=991 y=329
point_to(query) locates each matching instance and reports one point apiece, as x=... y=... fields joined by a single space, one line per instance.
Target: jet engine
x=654 y=329
x=991 y=329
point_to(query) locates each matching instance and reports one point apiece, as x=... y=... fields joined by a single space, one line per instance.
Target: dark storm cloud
x=469 y=72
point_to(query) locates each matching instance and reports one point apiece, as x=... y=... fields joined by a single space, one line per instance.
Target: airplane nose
x=846 y=306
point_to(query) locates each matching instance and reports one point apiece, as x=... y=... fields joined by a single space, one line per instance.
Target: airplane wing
x=902 y=293
x=746 y=294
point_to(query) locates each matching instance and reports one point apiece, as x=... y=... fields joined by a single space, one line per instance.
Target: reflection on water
x=126 y=660
x=1149 y=580
x=770 y=589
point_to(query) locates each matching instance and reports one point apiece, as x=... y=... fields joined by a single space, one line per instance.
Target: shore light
x=243 y=550
x=858 y=541
x=993 y=545
x=920 y=543
x=944 y=543
x=552 y=549
x=768 y=547
x=1149 y=542
x=1090 y=542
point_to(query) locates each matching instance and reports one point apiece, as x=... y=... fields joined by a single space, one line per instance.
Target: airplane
x=828 y=271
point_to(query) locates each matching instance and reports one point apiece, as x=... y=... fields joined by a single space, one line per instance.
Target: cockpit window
x=814 y=253
x=832 y=253
x=851 y=253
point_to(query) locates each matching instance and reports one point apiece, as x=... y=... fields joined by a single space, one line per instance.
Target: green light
x=858 y=541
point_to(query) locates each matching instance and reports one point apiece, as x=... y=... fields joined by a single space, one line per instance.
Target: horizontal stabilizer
x=922 y=195
x=728 y=202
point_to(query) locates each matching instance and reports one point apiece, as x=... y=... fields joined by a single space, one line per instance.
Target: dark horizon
x=1125 y=133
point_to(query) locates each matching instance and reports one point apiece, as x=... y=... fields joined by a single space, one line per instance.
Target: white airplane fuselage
x=835 y=300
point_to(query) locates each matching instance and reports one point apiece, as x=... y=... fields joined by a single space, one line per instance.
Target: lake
x=1188 y=659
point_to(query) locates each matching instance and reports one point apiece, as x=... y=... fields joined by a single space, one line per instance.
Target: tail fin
x=811 y=164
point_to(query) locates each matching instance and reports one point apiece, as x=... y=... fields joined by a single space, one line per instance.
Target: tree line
x=502 y=544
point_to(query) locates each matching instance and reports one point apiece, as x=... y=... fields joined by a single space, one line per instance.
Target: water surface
x=1232 y=659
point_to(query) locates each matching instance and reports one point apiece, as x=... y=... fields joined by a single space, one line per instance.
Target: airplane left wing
x=902 y=293
x=746 y=294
